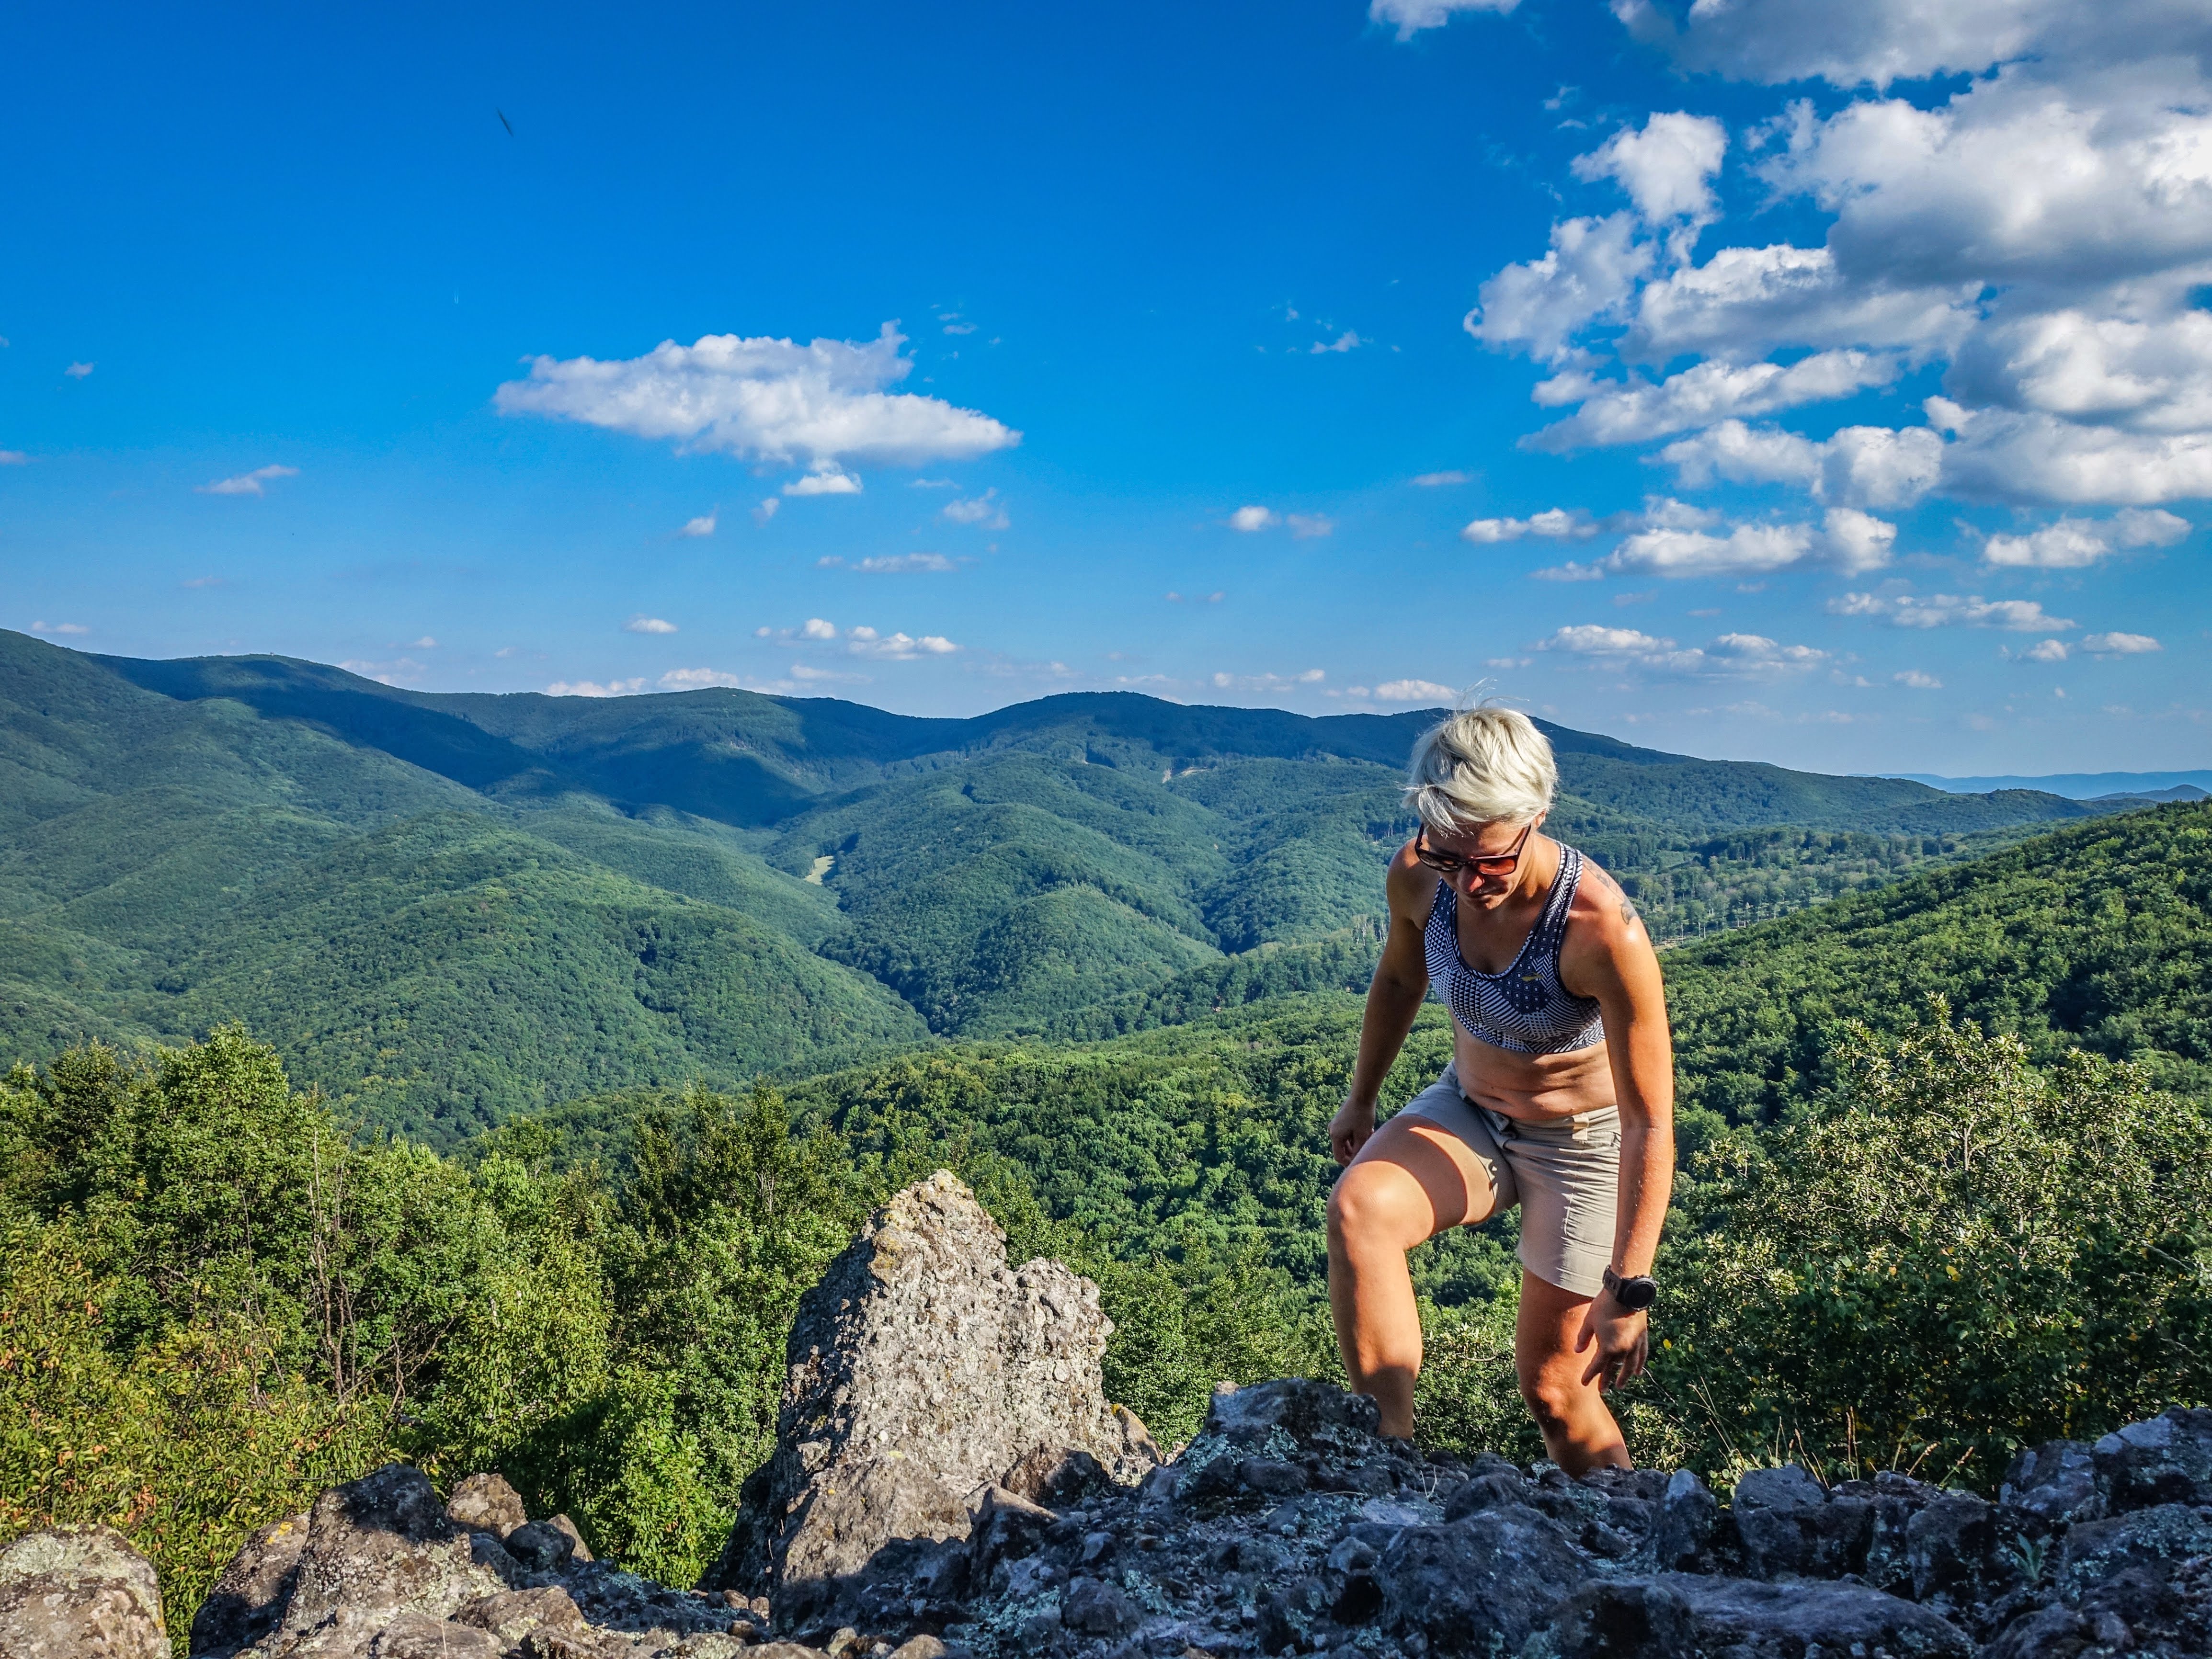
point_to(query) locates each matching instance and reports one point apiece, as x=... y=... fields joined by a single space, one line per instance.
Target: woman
x=1560 y=1097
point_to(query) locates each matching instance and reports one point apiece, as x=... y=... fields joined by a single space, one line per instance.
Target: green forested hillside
x=444 y=910
x=2098 y=936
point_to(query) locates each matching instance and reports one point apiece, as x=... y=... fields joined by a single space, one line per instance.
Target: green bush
x=1954 y=1255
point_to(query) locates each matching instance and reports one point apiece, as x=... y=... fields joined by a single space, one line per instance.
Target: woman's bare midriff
x=1533 y=1088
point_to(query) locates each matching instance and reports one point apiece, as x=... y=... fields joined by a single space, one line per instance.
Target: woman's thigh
x=1412 y=1181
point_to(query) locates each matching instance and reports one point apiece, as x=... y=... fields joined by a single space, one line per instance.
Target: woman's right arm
x=1393 y=999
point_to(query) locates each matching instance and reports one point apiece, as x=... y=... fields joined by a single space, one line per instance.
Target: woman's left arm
x=1620 y=968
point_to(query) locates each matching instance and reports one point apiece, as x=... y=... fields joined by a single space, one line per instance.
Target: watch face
x=1636 y=1294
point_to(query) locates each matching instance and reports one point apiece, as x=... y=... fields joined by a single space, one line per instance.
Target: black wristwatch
x=1634 y=1294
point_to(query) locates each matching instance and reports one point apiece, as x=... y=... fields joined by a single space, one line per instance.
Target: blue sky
x=1831 y=385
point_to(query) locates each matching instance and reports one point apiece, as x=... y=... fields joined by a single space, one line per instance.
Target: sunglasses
x=1450 y=864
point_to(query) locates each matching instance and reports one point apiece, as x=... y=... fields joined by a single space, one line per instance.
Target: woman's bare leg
x=1579 y=1432
x=1409 y=1183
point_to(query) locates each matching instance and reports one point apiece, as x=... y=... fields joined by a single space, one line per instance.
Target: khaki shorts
x=1565 y=1175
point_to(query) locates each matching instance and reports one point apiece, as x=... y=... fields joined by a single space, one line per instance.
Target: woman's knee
x=1375 y=1202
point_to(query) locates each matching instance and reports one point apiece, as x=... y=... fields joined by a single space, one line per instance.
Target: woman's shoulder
x=1602 y=905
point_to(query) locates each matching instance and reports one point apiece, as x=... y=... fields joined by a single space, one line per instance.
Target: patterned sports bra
x=1525 y=1010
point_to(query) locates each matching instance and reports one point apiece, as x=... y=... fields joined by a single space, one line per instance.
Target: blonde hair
x=1485 y=765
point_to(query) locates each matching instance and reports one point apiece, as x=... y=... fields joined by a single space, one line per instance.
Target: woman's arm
x=1393 y=999
x=1614 y=963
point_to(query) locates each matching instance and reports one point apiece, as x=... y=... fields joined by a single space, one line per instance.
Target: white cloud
x=1590 y=639
x=816 y=628
x=1346 y=341
x=644 y=624
x=14 y=457
x=983 y=511
x=1411 y=692
x=891 y=563
x=824 y=481
x=1859 y=466
x=1589 y=273
x=695 y=679
x=702 y=525
x=1307 y=525
x=1636 y=411
x=1306 y=677
x=59 y=628
x=1438 y=480
x=1950 y=609
x=1667 y=167
x=1554 y=523
x=1410 y=17
x=1249 y=519
x=897 y=647
x=1730 y=654
x=2044 y=651
x=766 y=510
x=2041 y=230
x=2120 y=644
x=824 y=403
x=1921 y=681
x=78 y=371
x=595 y=688
x=247 y=484
x=2073 y=543
x=1845 y=539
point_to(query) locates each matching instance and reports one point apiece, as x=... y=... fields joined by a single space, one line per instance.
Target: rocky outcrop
x=923 y=1369
x=79 y=1593
x=1044 y=1525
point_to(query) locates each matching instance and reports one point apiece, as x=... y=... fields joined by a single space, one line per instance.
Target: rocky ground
x=1286 y=1527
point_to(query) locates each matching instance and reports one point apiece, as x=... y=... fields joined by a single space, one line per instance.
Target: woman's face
x=1483 y=862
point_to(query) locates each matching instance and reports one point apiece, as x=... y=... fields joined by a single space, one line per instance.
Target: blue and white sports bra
x=1525 y=1010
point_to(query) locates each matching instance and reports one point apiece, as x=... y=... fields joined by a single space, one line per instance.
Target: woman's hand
x=1623 y=1340
x=1350 y=1129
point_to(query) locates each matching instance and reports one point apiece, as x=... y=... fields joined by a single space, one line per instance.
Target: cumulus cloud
x=1249 y=519
x=2042 y=231
x=983 y=511
x=824 y=481
x=1410 y=17
x=697 y=679
x=1738 y=654
x=78 y=371
x=644 y=624
x=1413 y=691
x=817 y=628
x=766 y=510
x=1948 y=610
x=1307 y=525
x=1845 y=539
x=702 y=525
x=826 y=404
x=2071 y=544
x=897 y=647
x=1439 y=480
x=1666 y=167
x=1636 y=411
x=59 y=628
x=1346 y=341
x=248 y=483
x=595 y=688
x=2120 y=644
x=2044 y=651
x=1304 y=679
x=1555 y=523
x=1920 y=680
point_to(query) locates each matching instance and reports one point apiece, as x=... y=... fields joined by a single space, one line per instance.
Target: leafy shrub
x=1954 y=1255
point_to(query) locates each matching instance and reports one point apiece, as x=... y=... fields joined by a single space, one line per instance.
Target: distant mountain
x=446 y=908
x=2075 y=786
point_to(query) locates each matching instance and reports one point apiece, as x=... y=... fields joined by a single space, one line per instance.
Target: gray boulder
x=922 y=1368
x=2168 y=1459
x=1477 y=1586
x=79 y=1593
x=1791 y=1526
x=485 y=1503
x=252 y=1592
x=2056 y=1483
x=1744 y=1619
